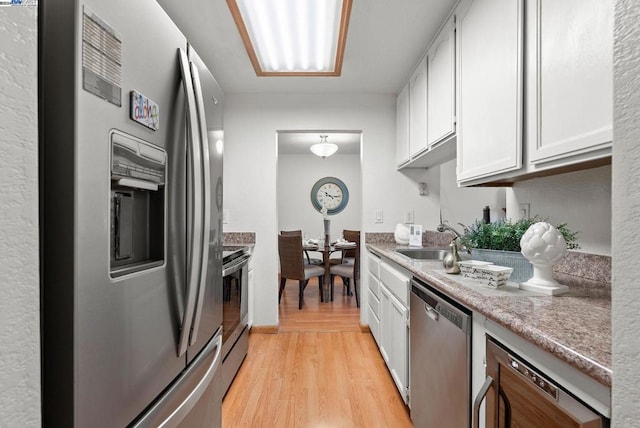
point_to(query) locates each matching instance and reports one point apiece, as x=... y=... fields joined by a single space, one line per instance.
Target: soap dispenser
x=451 y=259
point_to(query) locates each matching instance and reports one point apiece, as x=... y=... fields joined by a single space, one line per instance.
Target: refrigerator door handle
x=194 y=262
x=206 y=199
x=165 y=412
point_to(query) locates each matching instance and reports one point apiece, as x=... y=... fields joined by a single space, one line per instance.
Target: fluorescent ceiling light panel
x=293 y=37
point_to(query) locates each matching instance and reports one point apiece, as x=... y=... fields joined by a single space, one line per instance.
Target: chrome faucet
x=444 y=226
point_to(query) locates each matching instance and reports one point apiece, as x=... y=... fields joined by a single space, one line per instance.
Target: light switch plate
x=408 y=217
x=225 y=216
x=524 y=210
x=378 y=216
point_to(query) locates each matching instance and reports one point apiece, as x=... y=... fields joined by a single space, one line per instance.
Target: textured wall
x=19 y=287
x=626 y=215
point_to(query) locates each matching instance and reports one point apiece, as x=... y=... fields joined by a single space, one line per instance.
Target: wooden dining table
x=326 y=251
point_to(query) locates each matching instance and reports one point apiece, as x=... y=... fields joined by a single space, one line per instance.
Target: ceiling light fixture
x=293 y=37
x=323 y=149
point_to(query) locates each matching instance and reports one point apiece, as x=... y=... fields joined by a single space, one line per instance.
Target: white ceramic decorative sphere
x=543 y=245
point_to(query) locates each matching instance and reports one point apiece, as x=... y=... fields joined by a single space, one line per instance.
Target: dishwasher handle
x=438 y=306
x=431 y=312
x=482 y=394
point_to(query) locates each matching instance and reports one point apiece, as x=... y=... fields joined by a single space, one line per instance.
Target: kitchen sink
x=423 y=253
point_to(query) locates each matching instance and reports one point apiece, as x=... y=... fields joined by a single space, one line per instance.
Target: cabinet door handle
x=479 y=399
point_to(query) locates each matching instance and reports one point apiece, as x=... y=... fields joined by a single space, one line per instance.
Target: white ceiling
x=298 y=142
x=384 y=43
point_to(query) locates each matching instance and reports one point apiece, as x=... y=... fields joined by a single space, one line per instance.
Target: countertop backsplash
x=238 y=238
x=593 y=267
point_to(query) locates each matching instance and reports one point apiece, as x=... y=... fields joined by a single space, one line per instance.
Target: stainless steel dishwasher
x=440 y=357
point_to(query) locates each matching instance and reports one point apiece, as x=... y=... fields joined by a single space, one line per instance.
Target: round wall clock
x=330 y=192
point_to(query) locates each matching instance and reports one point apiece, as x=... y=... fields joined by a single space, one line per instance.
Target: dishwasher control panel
x=460 y=317
x=454 y=317
x=533 y=377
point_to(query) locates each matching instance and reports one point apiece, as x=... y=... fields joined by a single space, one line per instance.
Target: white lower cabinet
x=386 y=335
x=399 y=350
x=394 y=319
x=373 y=307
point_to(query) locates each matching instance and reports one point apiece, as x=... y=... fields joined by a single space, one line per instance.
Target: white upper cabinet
x=431 y=126
x=441 y=86
x=572 y=78
x=418 y=109
x=402 y=126
x=490 y=87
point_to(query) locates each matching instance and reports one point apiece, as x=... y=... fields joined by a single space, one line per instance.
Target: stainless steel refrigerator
x=131 y=227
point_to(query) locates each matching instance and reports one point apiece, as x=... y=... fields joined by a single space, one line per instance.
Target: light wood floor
x=340 y=315
x=320 y=370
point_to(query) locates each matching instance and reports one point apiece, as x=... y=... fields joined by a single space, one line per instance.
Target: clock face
x=329 y=195
x=329 y=192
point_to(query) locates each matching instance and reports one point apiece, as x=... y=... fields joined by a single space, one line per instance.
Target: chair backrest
x=351 y=236
x=291 y=232
x=291 y=256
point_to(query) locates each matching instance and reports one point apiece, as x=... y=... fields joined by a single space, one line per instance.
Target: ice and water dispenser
x=138 y=173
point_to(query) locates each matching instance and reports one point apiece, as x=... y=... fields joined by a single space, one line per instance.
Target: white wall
x=297 y=173
x=19 y=282
x=250 y=191
x=626 y=215
x=464 y=204
x=581 y=199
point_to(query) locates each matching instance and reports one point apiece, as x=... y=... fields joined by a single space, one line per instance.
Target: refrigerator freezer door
x=208 y=315
x=179 y=405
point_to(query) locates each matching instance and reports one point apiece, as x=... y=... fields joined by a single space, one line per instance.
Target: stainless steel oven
x=520 y=395
x=235 y=314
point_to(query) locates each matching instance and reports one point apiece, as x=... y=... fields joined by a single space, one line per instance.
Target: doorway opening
x=298 y=171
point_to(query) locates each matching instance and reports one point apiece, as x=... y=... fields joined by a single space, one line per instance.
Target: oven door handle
x=479 y=399
x=236 y=265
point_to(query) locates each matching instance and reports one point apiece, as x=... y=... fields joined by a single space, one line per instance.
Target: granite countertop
x=574 y=327
x=239 y=239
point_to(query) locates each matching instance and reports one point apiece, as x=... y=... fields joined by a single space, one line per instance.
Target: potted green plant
x=499 y=242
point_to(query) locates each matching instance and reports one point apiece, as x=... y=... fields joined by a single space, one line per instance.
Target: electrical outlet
x=378 y=216
x=225 y=216
x=408 y=217
x=524 y=210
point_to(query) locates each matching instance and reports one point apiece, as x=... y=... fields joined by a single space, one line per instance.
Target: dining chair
x=292 y=266
x=310 y=261
x=347 y=256
x=348 y=272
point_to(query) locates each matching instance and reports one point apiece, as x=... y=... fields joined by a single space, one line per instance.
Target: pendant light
x=323 y=149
